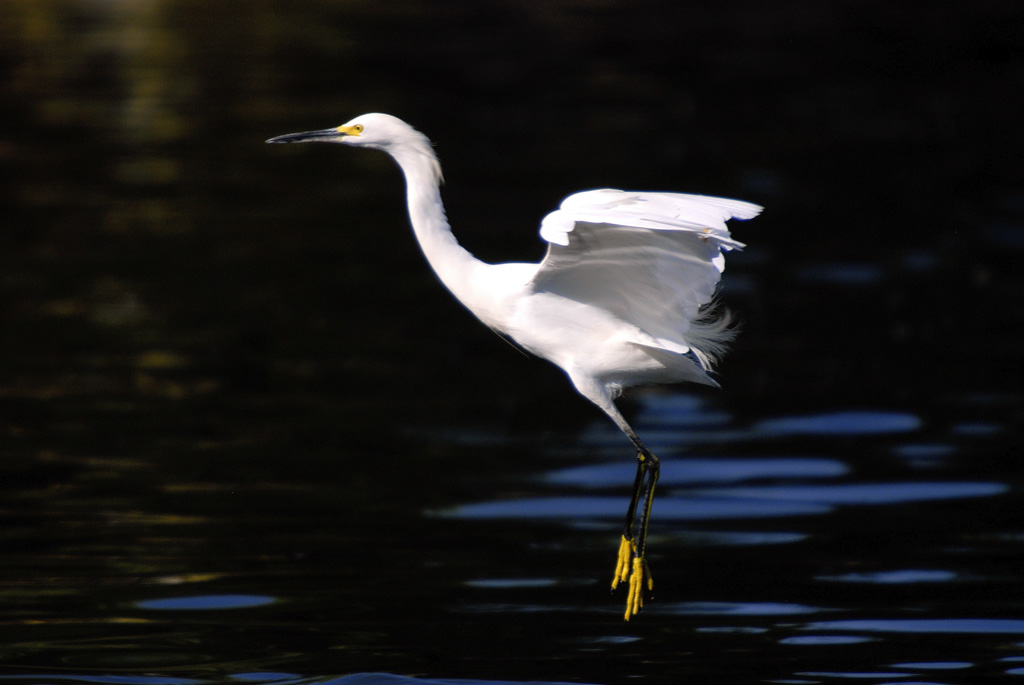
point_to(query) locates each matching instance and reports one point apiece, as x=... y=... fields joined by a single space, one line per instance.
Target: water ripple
x=854 y=675
x=511 y=583
x=862 y=493
x=391 y=679
x=899 y=577
x=924 y=625
x=682 y=471
x=936 y=665
x=826 y=640
x=206 y=602
x=669 y=508
x=736 y=609
x=839 y=423
x=728 y=538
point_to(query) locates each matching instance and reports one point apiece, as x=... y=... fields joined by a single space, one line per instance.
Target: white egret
x=621 y=298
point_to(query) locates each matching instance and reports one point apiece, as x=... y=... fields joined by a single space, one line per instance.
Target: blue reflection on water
x=680 y=471
x=733 y=630
x=206 y=602
x=729 y=503
x=862 y=493
x=669 y=508
x=511 y=583
x=678 y=410
x=734 y=609
x=923 y=625
x=900 y=577
x=976 y=429
x=936 y=665
x=839 y=423
x=819 y=640
x=855 y=675
x=728 y=538
x=923 y=451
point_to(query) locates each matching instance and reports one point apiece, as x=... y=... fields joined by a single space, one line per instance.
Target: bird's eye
x=358 y=128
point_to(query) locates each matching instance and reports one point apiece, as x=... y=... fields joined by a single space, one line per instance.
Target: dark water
x=246 y=437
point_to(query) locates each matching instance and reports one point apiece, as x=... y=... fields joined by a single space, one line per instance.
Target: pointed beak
x=327 y=135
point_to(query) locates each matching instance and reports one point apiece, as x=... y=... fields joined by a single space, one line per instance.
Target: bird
x=624 y=296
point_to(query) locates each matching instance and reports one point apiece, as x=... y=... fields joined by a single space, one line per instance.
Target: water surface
x=246 y=437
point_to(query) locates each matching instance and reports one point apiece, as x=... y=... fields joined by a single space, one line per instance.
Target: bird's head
x=376 y=131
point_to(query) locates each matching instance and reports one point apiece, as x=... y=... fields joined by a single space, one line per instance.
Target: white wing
x=651 y=259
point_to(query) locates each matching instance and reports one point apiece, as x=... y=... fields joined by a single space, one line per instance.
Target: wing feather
x=653 y=260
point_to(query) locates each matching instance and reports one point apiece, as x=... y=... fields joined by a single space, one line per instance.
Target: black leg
x=654 y=470
x=632 y=562
x=627 y=547
x=638 y=488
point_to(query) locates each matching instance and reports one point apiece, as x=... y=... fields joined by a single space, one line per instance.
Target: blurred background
x=245 y=434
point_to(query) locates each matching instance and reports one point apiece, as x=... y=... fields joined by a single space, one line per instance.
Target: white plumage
x=652 y=259
x=620 y=299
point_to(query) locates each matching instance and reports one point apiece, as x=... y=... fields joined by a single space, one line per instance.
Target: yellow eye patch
x=351 y=130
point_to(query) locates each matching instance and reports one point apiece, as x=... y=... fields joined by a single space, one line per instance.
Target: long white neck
x=452 y=263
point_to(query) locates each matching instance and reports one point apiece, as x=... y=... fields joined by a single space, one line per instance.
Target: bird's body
x=620 y=299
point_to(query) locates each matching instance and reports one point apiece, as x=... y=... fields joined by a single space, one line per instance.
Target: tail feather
x=709 y=335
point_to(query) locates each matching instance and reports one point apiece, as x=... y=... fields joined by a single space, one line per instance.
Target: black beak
x=327 y=135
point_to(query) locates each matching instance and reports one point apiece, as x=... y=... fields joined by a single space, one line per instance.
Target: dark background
x=226 y=370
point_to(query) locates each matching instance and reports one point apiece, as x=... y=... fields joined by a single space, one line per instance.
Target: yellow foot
x=635 y=598
x=626 y=551
x=637 y=573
